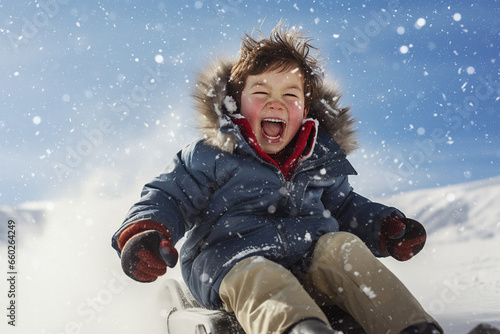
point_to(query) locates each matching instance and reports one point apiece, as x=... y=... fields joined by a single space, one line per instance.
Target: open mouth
x=272 y=128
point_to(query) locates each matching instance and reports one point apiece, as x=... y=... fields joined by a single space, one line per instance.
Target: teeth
x=273 y=120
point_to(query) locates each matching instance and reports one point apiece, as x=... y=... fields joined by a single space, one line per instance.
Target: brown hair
x=286 y=48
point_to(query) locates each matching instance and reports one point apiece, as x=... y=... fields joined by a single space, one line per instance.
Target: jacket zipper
x=287 y=186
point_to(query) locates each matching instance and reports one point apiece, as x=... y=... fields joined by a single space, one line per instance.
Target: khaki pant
x=267 y=298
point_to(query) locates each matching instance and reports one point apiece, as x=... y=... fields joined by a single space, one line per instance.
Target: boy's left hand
x=402 y=238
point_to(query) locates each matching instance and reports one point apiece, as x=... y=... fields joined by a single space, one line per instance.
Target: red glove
x=146 y=254
x=402 y=238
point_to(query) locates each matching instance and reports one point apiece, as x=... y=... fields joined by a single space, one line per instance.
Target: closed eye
x=290 y=94
x=260 y=92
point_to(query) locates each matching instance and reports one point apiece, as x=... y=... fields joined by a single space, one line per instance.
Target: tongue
x=271 y=129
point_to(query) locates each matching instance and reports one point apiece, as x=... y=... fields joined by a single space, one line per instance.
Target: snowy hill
x=70 y=279
x=456 y=213
x=457 y=275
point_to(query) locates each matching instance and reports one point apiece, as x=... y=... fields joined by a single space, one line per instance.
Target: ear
x=306 y=111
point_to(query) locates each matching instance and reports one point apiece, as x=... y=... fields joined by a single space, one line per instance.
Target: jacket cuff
x=137 y=228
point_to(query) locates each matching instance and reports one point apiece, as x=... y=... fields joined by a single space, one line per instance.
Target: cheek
x=250 y=107
x=296 y=110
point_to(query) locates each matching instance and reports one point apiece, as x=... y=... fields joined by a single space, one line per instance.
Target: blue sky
x=106 y=84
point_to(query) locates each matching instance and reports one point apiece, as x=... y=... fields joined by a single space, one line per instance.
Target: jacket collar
x=297 y=151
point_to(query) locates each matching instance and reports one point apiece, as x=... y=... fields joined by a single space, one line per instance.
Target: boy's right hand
x=146 y=256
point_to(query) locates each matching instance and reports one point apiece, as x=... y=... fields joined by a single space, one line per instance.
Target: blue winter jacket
x=229 y=204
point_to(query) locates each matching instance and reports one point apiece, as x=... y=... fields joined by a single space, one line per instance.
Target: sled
x=186 y=316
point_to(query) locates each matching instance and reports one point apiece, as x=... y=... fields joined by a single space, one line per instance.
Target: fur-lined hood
x=214 y=107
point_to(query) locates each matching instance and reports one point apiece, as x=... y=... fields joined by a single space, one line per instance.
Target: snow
x=70 y=278
x=247 y=251
x=159 y=59
x=457 y=17
x=368 y=291
x=420 y=23
x=77 y=99
x=404 y=49
x=456 y=275
x=230 y=104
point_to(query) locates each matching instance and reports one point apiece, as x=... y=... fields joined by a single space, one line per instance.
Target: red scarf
x=289 y=158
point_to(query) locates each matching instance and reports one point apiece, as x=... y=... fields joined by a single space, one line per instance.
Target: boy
x=273 y=229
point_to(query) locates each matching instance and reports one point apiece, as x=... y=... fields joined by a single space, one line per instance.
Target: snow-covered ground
x=70 y=280
x=457 y=275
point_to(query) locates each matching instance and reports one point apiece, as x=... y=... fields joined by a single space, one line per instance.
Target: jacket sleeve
x=357 y=214
x=175 y=198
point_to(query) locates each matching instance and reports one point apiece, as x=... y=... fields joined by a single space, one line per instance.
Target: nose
x=275 y=105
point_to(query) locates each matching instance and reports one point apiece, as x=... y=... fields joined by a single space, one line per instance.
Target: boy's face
x=273 y=103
